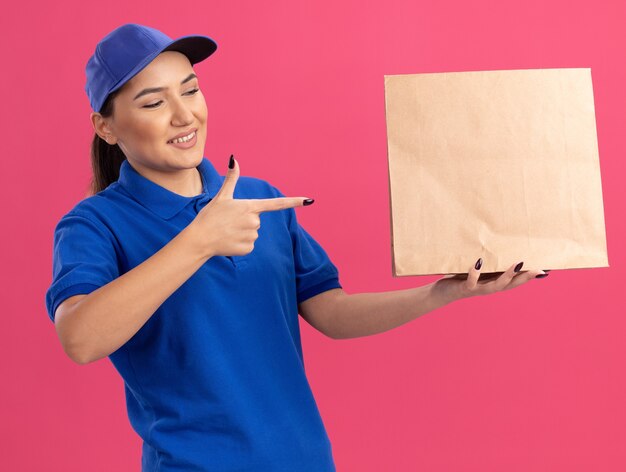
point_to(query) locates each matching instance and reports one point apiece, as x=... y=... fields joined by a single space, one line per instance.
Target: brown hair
x=106 y=158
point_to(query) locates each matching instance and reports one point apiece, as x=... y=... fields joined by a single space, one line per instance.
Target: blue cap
x=126 y=50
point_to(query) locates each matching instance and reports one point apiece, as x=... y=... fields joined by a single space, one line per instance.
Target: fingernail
x=308 y=201
x=479 y=264
x=518 y=267
x=231 y=162
x=541 y=276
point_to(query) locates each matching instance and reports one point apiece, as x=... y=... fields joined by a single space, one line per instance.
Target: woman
x=191 y=283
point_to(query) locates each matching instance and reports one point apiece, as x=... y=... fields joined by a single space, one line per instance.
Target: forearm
x=364 y=314
x=108 y=317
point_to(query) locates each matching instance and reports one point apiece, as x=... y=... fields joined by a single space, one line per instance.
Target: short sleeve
x=315 y=272
x=84 y=259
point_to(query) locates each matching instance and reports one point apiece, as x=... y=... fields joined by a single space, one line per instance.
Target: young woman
x=191 y=282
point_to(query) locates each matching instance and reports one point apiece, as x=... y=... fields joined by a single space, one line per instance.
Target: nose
x=181 y=113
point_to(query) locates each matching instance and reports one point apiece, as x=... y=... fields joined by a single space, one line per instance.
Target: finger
x=506 y=278
x=280 y=203
x=474 y=274
x=522 y=278
x=232 y=175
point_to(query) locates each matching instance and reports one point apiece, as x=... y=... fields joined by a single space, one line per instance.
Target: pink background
x=525 y=380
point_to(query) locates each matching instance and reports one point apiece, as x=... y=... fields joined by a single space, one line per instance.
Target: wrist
x=442 y=292
x=196 y=239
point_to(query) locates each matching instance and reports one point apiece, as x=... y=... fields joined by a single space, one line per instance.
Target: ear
x=102 y=128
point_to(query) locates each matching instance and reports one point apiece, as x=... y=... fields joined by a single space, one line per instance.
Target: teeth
x=184 y=139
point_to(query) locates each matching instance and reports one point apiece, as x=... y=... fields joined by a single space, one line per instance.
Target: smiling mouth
x=184 y=139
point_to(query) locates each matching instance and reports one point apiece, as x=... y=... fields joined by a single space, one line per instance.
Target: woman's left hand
x=456 y=287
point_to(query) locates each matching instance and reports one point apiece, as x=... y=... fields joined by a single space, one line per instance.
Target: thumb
x=228 y=186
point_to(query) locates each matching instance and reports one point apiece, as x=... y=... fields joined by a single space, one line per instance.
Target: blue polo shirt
x=215 y=379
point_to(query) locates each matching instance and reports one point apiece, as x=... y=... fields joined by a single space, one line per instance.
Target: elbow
x=80 y=358
x=73 y=349
x=79 y=351
x=75 y=353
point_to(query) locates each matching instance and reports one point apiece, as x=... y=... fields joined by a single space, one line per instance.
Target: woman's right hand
x=227 y=226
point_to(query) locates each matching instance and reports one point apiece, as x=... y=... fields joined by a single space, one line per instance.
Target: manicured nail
x=479 y=264
x=231 y=162
x=541 y=276
x=308 y=201
x=518 y=267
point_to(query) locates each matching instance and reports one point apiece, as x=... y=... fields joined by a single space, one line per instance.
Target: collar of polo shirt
x=162 y=201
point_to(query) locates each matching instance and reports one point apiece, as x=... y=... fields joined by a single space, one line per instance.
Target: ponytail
x=106 y=158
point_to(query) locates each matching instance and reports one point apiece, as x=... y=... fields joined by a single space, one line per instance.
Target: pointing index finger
x=279 y=203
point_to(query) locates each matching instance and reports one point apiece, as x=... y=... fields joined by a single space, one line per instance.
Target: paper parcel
x=501 y=165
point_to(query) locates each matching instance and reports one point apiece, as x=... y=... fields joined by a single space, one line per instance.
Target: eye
x=152 y=105
x=156 y=104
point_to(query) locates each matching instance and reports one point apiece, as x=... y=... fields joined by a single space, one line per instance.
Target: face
x=144 y=122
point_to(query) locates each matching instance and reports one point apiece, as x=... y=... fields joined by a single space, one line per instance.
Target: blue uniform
x=215 y=379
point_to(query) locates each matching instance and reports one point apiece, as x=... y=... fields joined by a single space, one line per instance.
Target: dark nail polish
x=479 y=264
x=308 y=201
x=231 y=162
x=541 y=276
x=518 y=267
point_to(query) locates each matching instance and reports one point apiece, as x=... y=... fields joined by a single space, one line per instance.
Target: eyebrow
x=160 y=89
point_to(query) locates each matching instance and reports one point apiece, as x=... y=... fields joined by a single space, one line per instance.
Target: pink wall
x=525 y=380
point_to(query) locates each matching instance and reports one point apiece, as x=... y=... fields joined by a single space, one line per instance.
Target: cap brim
x=196 y=48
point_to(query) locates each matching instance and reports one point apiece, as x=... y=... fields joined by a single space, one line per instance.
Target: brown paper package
x=501 y=165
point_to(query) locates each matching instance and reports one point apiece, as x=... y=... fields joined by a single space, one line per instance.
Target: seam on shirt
x=318 y=288
x=329 y=271
x=109 y=234
x=66 y=284
x=77 y=289
x=120 y=256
